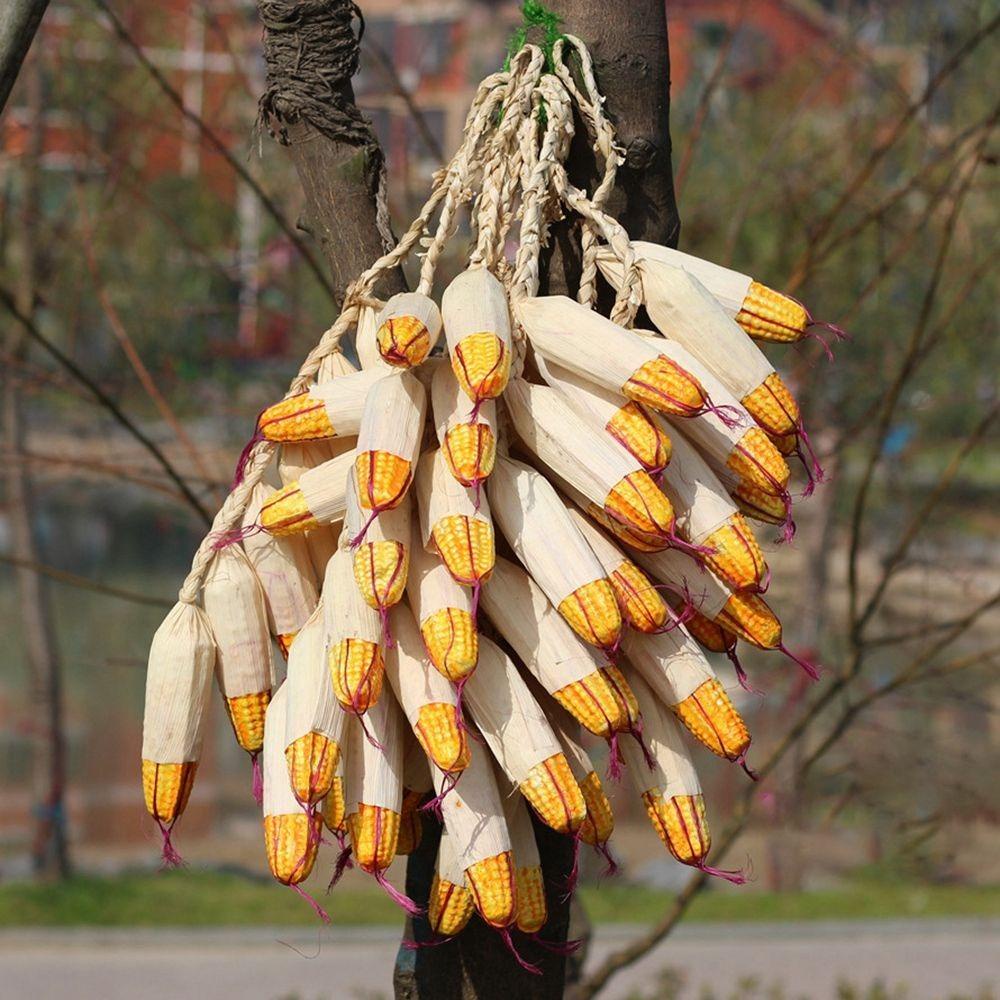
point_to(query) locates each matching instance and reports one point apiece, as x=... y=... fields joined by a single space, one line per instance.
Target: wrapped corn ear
x=451 y=904
x=407 y=328
x=317 y=497
x=465 y=431
x=532 y=911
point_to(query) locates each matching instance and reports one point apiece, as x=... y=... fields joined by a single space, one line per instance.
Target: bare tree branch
x=19 y=20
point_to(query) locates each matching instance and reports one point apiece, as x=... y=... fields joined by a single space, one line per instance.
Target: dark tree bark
x=19 y=20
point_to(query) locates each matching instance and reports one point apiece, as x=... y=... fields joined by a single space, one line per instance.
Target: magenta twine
x=477 y=494
x=476 y=588
x=811 y=669
x=697 y=552
x=401 y=899
x=241 y=464
x=504 y=933
x=741 y=673
x=223 y=539
x=383 y=613
x=574 y=873
x=742 y=761
x=360 y=536
x=765 y=581
x=168 y=853
x=636 y=732
x=447 y=785
x=809 y=460
x=368 y=736
x=319 y=911
x=729 y=415
x=257 y=781
x=343 y=863
x=568 y=948
x=736 y=877
x=410 y=945
x=611 y=869
x=614 y=759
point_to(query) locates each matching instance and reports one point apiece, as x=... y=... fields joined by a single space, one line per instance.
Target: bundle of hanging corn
x=532 y=526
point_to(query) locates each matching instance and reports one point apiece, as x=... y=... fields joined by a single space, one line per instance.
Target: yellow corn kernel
x=773 y=407
x=312 y=759
x=167 y=788
x=291 y=841
x=452 y=642
x=466 y=547
x=298 y=418
x=594 y=703
x=380 y=569
x=768 y=315
x=383 y=479
x=709 y=634
x=756 y=462
x=334 y=806
x=439 y=734
x=592 y=612
x=531 y=909
x=286 y=513
x=641 y=604
x=411 y=829
x=553 y=793
x=357 y=670
x=633 y=539
x=481 y=363
x=403 y=341
x=636 y=431
x=285 y=642
x=711 y=718
x=628 y=705
x=749 y=617
x=246 y=713
x=374 y=836
x=600 y=821
x=759 y=505
x=735 y=555
x=471 y=451
x=493 y=886
x=785 y=443
x=681 y=824
x=449 y=907
x=665 y=386
x=638 y=503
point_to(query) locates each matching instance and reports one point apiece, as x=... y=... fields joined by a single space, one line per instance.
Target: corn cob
x=443 y=609
x=453 y=523
x=757 y=463
x=428 y=700
x=236 y=609
x=166 y=788
x=477 y=328
x=317 y=497
x=374 y=832
x=493 y=885
x=681 y=823
x=550 y=546
x=450 y=905
x=354 y=635
x=314 y=720
x=407 y=329
x=709 y=634
x=392 y=427
x=410 y=825
x=467 y=434
x=530 y=894
x=565 y=667
x=768 y=315
x=774 y=408
x=291 y=834
x=332 y=409
x=333 y=806
x=759 y=505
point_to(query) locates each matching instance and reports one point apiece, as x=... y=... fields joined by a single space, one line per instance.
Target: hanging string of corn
x=586 y=486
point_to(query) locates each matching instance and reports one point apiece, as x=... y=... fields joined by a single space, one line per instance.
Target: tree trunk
x=49 y=851
x=19 y=20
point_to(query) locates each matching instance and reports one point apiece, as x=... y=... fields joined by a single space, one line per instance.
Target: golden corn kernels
x=291 y=841
x=312 y=759
x=785 y=443
x=553 y=793
x=531 y=909
x=594 y=703
x=452 y=642
x=439 y=734
x=380 y=569
x=403 y=341
x=600 y=821
x=624 y=695
x=298 y=418
x=374 y=836
x=167 y=788
x=638 y=503
x=757 y=463
x=760 y=506
x=471 y=451
x=681 y=824
x=357 y=670
x=633 y=539
x=411 y=828
x=709 y=634
x=641 y=604
x=773 y=407
x=769 y=315
x=592 y=612
x=736 y=557
x=285 y=642
x=749 y=617
x=334 y=806
x=663 y=385
x=383 y=479
x=636 y=431
x=481 y=363
x=466 y=546
x=286 y=513
x=711 y=718
x=449 y=907
x=493 y=885
x=246 y=713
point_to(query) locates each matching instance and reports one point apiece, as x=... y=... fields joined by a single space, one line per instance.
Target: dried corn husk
x=694 y=583
x=374 y=775
x=416 y=770
x=671 y=663
x=366 y=342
